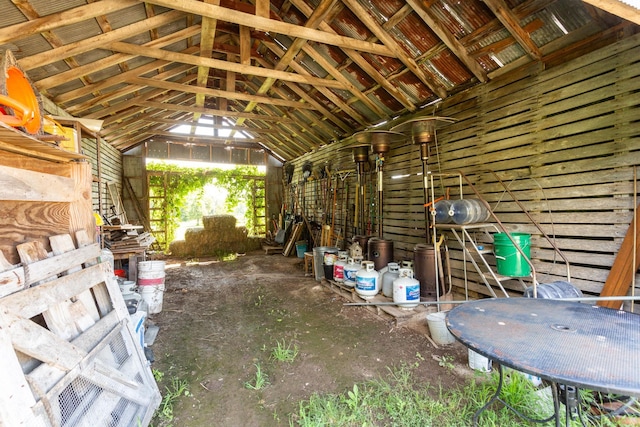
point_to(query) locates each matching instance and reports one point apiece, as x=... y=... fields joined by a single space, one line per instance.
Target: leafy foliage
x=173 y=184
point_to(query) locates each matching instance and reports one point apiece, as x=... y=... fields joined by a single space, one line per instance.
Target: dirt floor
x=221 y=318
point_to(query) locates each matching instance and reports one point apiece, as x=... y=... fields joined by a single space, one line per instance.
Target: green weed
x=284 y=352
x=173 y=391
x=260 y=380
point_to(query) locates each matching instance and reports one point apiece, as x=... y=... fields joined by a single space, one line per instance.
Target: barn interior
x=490 y=147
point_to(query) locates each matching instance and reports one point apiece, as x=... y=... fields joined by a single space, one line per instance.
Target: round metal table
x=569 y=343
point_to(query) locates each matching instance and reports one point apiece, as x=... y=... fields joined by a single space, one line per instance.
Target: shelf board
x=19 y=142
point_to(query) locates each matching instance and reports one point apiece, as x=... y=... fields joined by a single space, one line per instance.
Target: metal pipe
x=576 y=299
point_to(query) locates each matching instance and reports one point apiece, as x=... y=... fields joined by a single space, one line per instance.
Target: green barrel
x=509 y=261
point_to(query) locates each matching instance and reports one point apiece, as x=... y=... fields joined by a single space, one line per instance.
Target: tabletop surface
x=571 y=343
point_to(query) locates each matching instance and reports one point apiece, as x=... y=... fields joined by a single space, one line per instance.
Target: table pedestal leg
x=496 y=397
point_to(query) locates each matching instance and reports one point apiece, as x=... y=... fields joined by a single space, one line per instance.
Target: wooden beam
x=258 y=99
x=618 y=8
x=61 y=19
x=116 y=80
x=71 y=49
x=270 y=25
x=624 y=266
x=448 y=39
x=129 y=90
x=512 y=24
x=222 y=65
x=212 y=112
x=384 y=36
x=110 y=61
x=207 y=37
x=208 y=140
x=209 y=126
x=359 y=60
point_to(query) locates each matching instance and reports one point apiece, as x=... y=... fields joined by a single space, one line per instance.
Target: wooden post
x=623 y=268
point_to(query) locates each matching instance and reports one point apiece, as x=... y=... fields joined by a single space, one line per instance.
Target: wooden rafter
x=512 y=24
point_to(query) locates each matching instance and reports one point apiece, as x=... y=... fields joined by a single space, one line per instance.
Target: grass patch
x=175 y=389
x=260 y=380
x=284 y=352
x=398 y=400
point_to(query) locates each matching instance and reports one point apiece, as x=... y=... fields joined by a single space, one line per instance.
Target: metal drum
x=380 y=252
x=424 y=267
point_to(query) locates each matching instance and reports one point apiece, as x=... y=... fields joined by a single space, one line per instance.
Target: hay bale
x=204 y=241
x=219 y=223
x=179 y=248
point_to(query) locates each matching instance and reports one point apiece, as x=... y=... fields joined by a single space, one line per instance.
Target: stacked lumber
x=121 y=239
x=69 y=349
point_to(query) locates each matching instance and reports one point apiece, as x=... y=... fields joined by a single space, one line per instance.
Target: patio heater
x=379 y=250
x=360 y=157
x=427 y=259
x=423 y=134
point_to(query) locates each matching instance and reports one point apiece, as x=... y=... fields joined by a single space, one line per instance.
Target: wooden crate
x=69 y=350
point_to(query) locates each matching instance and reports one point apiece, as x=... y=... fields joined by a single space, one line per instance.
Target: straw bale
x=219 y=223
x=201 y=241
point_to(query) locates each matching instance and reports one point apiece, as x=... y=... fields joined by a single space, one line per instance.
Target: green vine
x=181 y=181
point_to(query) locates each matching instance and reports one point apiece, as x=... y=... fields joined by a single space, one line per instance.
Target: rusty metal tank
x=380 y=251
x=425 y=271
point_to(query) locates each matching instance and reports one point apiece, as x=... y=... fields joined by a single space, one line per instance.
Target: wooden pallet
x=389 y=312
x=69 y=350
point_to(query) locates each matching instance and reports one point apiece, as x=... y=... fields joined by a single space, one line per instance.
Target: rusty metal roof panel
x=461 y=18
x=559 y=20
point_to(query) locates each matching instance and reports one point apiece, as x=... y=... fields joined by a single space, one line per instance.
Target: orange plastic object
x=22 y=99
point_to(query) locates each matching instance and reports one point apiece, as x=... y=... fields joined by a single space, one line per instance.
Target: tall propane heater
x=379 y=250
x=423 y=134
x=360 y=157
x=427 y=260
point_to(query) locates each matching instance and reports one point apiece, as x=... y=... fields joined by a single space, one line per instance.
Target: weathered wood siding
x=566 y=141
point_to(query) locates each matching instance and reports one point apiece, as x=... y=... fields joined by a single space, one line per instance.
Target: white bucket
x=438 y=328
x=152 y=295
x=150 y=273
x=478 y=362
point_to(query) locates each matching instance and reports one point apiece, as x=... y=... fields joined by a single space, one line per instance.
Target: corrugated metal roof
x=334 y=85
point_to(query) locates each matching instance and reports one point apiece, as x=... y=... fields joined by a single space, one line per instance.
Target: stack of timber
x=124 y=239
x=69 y=349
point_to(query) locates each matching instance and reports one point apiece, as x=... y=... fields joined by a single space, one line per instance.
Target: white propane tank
x=407 y=263
x=367 y=280
x=406 y=289
x=338 y=266
x=350 y=271
x=388 y=278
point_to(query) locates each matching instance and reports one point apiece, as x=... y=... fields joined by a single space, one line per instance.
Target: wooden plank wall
x=39 y=199
x=565 y=140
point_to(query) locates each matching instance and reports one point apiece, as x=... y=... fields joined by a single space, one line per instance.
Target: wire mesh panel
x=80 y=361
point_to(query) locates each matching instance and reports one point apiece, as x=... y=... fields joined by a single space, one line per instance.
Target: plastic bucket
x=438 y=328
x=318 y=259
x=150 y=273
x=301 y=248
x=152 y=295
x=478 y=362
x=509 y=261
